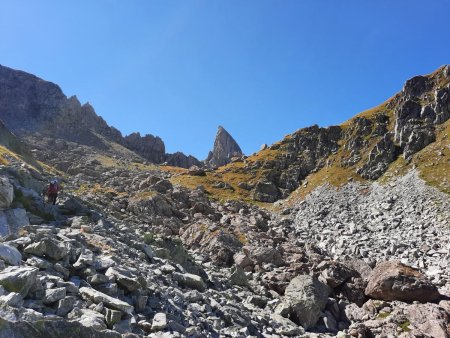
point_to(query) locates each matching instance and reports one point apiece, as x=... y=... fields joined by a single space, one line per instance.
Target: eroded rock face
x=32 y=106
x=225 y=148
x=179 y=159
x=420 y=110
x=150 y=147
x=384 y=152
x=393 y=280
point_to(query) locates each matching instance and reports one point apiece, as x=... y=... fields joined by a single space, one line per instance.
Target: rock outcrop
x=225 y=148
x=304 y=299
x=363 y=147
x=150 y=147
x=179 y=159
x=395 y=281
x=32 y=106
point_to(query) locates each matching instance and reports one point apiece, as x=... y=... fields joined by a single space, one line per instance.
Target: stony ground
x=127 y=254
x=403 y=219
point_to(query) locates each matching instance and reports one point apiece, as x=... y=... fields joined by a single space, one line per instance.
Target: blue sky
x=262 y=69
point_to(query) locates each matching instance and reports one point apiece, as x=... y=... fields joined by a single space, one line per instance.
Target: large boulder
x=189 y=280
x=393 y=280
x=6 y=193
x=12 y=220
x=124 y=278
x=100 y=297
x=304 y=299
x=237 y=276
x=335 y=274
x=263 y=255
x=427 y=320
x=48 y=248
x=18 y=279
x=10 y=254
x=196 y=171
x=266 y=192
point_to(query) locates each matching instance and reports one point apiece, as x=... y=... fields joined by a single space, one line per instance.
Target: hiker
x=52 y=192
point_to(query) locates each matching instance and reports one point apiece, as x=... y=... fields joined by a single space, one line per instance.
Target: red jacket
x=52 y=189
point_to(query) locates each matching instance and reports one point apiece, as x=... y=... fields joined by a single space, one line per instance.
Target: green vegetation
x=143 y=195
x=383 y=315
x=111 y=162
x=98 y=190
x=405 y=326
x=149 y=238
x=433 y=161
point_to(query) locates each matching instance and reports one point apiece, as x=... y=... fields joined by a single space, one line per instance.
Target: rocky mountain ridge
x=32 y=106
x=131 y=250
x=362 y=148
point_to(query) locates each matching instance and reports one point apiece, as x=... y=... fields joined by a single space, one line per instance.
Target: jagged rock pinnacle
x=225 y=147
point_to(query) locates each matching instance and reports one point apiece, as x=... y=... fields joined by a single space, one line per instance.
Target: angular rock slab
x=12 y=220
x=98 y=297
x=124 y=278
x=18 y=279
x=10 y=254
x=393 y=280
x=427 y=319
x=6 y=193
x=51 y=329
x=48 y=248
x=190 y=280
x=304 y=299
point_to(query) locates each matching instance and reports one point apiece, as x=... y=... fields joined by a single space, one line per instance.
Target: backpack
x=53 y=188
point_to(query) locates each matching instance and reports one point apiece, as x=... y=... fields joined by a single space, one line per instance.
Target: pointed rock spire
x=225 y=147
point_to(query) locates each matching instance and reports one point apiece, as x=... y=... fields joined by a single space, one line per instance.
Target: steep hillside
x=362 y=148
x=30 y=106
x=134 y=249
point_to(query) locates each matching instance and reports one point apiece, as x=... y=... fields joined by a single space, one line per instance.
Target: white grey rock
x=97 y=297
x=6 y=193
x=18 y=279
x=159 y=322
x=53 y=295
x=10 y=254
x=13 y=299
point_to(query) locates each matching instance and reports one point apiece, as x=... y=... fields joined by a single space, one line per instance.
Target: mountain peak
x=225 y=147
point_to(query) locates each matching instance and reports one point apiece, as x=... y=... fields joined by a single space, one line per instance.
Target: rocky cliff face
x=30 y=105
x=361 y=148
x=225 y=148
x=179 y=159
x=10 y=141
x=148 y=146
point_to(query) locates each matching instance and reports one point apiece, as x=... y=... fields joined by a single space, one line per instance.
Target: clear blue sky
x=262 y=69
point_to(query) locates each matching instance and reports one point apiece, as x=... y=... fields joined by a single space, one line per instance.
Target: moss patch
x=383 y=315
x=405 y=326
